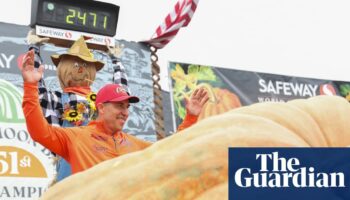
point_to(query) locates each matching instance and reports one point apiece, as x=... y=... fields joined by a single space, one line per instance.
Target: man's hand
x=198 y=99
x=29 y=73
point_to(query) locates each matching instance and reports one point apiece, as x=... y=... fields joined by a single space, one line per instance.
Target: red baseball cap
x=114 y=93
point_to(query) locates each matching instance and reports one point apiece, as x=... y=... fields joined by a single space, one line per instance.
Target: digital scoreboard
x=54 y=17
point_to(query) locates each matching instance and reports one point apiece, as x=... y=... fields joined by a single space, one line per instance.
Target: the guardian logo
x=286 y=173
x=289 y=173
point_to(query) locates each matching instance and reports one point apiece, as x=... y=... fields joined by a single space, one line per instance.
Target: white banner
x=26 y=167
x=73 y=35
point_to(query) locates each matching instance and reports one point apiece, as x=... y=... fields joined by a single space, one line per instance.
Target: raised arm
x=194 y=107
x=34 y=43
x=53 y=138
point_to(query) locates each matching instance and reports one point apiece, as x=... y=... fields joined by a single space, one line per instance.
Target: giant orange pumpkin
x=193 y=164
x=222 y=101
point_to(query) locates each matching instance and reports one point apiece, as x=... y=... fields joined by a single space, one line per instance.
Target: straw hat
x=79 y=49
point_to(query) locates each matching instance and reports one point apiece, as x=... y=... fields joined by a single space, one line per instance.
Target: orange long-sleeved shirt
x=85 y=146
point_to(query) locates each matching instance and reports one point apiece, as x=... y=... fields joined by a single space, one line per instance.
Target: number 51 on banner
x=14 y=162
x=17 y=162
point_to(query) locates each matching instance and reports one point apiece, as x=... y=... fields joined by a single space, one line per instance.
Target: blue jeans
x=63 y=169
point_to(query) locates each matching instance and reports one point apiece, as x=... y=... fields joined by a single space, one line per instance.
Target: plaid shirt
x=53 y=103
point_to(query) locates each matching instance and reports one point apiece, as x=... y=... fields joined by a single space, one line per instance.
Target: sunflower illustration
x=72 y=115
x=91 y=98
x=92 y=106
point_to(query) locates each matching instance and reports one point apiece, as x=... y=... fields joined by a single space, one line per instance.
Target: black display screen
x=86 y=16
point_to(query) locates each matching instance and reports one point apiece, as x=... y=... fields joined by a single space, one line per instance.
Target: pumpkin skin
x=224 y=101
x=218 y=192
x=193 y=163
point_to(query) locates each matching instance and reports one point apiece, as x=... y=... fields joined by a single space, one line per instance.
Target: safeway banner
x=229 y=88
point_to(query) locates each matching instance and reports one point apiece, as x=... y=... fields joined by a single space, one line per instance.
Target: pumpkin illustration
x=220 y=101
x=193 y=164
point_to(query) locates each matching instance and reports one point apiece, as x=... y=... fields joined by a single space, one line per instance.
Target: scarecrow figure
x=76 y=71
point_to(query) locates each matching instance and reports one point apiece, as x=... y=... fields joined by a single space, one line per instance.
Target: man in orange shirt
x=103 y=139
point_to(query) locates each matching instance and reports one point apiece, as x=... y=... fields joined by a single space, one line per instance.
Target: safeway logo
x=327 y=89
x=68 y=35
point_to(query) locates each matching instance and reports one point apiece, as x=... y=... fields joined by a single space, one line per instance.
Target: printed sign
x=289 y=173
x=229 y=88
x=26 y=167
x=73 y=35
